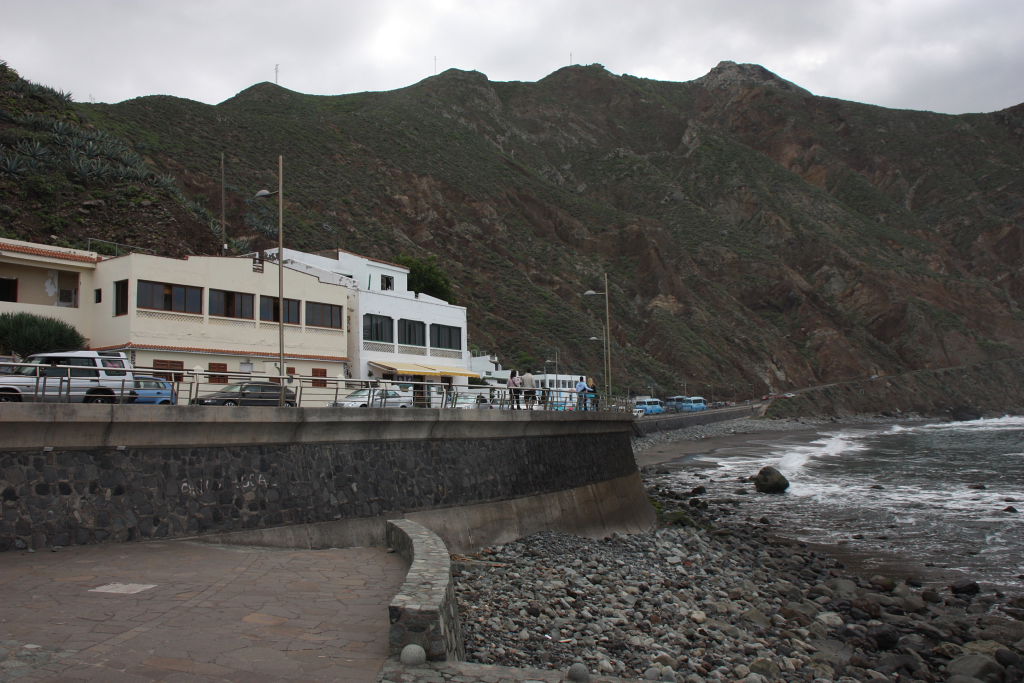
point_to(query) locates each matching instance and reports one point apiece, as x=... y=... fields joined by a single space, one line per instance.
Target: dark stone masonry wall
x=69 y=496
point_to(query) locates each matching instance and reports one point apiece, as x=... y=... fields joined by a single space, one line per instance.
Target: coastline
x=717 y=594
x=695 y=448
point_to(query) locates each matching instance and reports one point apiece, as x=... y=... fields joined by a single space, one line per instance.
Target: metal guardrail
x=76 y=383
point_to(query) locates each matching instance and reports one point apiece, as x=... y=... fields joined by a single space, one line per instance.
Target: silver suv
x=70 y=376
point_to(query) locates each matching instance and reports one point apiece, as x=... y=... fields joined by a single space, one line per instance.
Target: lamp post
x=552 y=385
x=607 y=339
x=555 y=363
x=280 y=272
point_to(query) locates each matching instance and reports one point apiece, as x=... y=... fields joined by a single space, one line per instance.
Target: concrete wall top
x=38 y=426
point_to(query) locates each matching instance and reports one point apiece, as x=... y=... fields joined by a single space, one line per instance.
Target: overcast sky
x=951 y=56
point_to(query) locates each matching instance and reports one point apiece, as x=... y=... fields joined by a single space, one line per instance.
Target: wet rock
x=965 y=587
x=770 y=480
x=977 y=666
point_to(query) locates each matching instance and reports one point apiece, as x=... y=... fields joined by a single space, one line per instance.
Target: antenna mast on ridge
x=275 y=73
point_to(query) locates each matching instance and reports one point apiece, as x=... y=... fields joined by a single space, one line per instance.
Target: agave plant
x=33 y=149
x=91 y=149
x=12 y=166
x=62 y=128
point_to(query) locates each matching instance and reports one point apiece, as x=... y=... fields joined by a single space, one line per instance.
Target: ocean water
x=931 y=494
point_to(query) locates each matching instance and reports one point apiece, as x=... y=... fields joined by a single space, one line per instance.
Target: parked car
x=154 y=390
x=247 y=394
x=650 y=406
x=71 y=376
x=376 y=398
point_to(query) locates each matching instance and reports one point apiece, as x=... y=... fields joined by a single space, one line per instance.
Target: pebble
x=717 y=597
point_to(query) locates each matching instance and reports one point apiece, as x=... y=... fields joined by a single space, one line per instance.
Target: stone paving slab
x=213 y=613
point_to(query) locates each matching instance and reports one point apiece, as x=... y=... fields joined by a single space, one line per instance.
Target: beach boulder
x=770 y=480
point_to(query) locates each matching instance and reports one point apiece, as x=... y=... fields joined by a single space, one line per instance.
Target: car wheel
x=289 y=404
x=10 y=397
x=230 y=403
x=99 y=399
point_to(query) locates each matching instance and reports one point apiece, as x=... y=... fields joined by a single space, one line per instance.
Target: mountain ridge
x=757 y=237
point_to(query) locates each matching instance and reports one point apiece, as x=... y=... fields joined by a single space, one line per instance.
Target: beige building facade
x=203 y=313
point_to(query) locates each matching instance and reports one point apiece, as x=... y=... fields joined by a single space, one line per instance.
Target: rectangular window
x=8 y=289
x=445 y=337
x=319 y=372
x=164 y=296
x=218 y=379
x=412 y=332
x=323 y=315
x=164 y=369
x=287 y=371
x=268 y=310
x=97 y=296
x=121 y=297
x=231 y=304
x=378 y=328
x=387 y=283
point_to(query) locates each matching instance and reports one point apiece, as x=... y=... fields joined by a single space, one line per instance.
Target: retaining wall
x=425 y=611
x=650 y=424
x=72 y=474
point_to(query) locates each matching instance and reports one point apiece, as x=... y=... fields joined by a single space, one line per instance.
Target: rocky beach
x=714 y=594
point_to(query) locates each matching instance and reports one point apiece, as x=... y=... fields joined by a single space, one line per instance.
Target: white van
x=71 y=376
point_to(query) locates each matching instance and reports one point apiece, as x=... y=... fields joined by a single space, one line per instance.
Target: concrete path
x=187 y=611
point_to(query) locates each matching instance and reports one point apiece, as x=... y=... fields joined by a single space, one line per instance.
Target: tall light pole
x=607 y=339
x=552 y=385
x=280 y=273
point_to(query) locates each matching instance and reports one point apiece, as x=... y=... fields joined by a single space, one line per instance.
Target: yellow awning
x=419 y=369
x=449 y=371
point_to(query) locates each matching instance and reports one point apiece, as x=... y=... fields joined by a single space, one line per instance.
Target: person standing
x=581 y=394
x=514 y=390
x=591 y=394
x=529 y=389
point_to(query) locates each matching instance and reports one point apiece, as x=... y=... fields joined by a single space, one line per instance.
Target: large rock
x=977 y=666
x=770 y=480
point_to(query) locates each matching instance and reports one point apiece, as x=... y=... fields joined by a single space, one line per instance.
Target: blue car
x=154 y=390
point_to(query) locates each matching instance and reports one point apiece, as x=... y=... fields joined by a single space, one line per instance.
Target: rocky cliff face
x=755 y=236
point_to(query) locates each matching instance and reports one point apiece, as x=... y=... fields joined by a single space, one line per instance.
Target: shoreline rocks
x=712 y=596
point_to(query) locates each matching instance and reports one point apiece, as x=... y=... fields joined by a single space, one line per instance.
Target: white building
x=395 y=334
x=345 y=316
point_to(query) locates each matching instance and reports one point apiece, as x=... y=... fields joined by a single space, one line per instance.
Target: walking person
x=591 y=394
x=514 y=390
x=581 y=394
x=529 y=389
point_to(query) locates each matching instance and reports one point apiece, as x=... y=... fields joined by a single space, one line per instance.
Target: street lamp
x=280 y=272
x=551 y=386
x=607 y=339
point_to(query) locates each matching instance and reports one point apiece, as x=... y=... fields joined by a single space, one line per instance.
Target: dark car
x=247 y=394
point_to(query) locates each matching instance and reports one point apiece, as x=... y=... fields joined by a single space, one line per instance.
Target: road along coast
x=713 y=595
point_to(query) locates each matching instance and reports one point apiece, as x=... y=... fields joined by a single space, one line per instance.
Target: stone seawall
x=85 y=474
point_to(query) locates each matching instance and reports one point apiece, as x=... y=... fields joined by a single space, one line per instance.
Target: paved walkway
x=187 y=611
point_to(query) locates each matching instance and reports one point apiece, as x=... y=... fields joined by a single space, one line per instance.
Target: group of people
x=586 y=394
x=523 y=390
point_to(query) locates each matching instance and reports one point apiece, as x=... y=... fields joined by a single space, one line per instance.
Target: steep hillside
x=755 y=236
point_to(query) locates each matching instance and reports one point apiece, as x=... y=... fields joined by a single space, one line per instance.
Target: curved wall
x=72 y=474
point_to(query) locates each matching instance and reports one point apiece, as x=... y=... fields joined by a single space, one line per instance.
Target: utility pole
x=275 y=73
